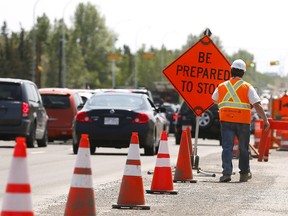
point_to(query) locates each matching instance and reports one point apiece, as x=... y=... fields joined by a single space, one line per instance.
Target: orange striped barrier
x=81 y=198
x=17 y=198
x=183 y=171
x=162 y=182
x=284 y=141
x=266 y=138
x=131 y=193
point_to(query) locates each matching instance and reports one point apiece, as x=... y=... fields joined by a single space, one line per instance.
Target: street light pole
x=33 y=44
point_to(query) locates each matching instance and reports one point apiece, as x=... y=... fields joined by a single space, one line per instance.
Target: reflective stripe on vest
x=231 y=93
x=233 y=102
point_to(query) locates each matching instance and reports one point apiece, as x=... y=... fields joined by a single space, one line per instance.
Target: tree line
x=90 y=57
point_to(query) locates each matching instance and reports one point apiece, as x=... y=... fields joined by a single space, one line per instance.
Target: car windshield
x=115 y=101
x=55 y=101
x=10 y=91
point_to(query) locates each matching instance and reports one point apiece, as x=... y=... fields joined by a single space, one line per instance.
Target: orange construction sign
x=197 y=73
x=280 y=105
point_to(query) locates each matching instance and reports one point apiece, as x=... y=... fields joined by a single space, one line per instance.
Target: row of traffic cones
x=81 y=198
x=132 y=191
x=17 y=199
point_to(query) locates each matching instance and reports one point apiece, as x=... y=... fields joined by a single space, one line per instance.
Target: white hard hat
x=239 y=64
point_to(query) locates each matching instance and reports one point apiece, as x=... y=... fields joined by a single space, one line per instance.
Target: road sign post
x=196 y=74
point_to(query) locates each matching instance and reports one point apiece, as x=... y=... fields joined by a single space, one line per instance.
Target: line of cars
x=24 y=111
x=108 y=117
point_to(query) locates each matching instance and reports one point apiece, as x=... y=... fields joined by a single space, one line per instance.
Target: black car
x=22 y=112
x=110 y=118
x=209 y=124
x=171 y=114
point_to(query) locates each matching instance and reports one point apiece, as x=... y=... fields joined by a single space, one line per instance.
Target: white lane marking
x=37 y=152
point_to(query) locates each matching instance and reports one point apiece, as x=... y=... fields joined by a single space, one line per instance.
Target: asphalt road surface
x=51 y=168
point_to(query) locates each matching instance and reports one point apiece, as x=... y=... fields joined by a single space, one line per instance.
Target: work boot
x=244 y=177
x=225 y=178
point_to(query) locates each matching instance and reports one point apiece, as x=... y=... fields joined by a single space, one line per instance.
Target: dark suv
x=209 y=125
x=22 y=112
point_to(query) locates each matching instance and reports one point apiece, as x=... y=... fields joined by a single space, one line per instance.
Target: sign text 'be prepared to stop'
x=198 y=72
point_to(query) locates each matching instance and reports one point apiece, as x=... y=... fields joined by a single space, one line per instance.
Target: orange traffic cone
x=183 y=172
x=190 y=145
x=131 y=193
x=17 y=199
x=257 y=133
x=235 y=148
x=81 y=198
x=162 y=182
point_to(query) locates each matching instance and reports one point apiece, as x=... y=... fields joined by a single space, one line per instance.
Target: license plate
x=111 y=121
x=185 y=126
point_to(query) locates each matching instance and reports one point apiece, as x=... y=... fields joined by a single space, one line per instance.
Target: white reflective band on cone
x=23 y=202
x=81 y=181
x=83 y=158
x=18 y=171
x=132 y=170
x=163 y=162
x=133 y=153
x=163 y=147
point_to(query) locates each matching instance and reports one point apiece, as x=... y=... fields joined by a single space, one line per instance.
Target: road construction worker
x=235 y=98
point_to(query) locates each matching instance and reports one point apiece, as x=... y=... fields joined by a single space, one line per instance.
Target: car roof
x=62 y=91
x=15 y=80
x=122 y=93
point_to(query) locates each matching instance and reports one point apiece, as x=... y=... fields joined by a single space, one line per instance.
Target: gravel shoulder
x=265 y=194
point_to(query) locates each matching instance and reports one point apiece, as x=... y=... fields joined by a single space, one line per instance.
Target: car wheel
x=150 y=147
x=75 y=143
x=43 y=142
x=30 y=140
x=92 y=149
x=177 y=138
x=206 y=119
x=75 y=149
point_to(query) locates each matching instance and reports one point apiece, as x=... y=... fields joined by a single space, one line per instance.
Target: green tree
x=14 y=54
x=95 y=43
x=124 y=67
x=42 y=30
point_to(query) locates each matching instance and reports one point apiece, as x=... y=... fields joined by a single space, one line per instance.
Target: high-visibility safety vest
x=233 y=101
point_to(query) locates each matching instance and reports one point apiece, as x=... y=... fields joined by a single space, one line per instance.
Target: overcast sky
x=260 y=27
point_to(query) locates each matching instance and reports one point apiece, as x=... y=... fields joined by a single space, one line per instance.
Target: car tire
x=43 y=142
x=92 y=149
x=150 y=147
x=75 y=149
x=50 y=140
x=177 y=138
x=206 y=119
x=75 y=143
x=30 y=140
